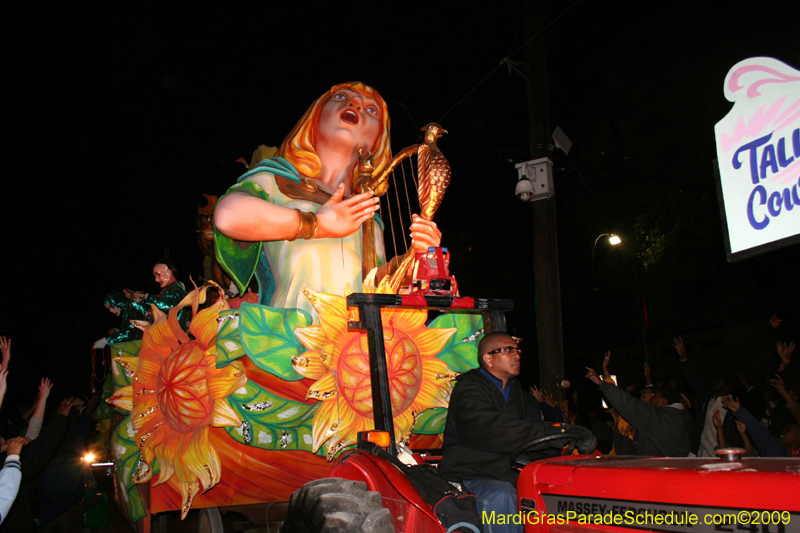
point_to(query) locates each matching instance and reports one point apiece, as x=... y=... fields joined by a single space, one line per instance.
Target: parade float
x=310 y=395
x=248 y=404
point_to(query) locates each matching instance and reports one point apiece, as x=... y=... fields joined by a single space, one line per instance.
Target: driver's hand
x=587 y=443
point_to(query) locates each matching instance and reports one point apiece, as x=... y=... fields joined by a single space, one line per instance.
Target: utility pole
x=545 y=234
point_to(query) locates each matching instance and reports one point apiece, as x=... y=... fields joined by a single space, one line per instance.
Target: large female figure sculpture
x=298 y=210
x=231 y=412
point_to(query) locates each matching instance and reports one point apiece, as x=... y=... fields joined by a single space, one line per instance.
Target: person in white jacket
x=10 y=475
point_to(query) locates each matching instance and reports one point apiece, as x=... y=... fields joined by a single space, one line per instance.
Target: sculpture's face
x=163 y=275
x=349 y=121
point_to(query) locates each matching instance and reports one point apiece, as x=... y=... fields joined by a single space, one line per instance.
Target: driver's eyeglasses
x=506 y=349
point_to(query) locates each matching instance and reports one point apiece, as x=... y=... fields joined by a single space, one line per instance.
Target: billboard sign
x=758 y=158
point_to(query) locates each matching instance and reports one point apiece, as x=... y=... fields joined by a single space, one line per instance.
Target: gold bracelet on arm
x=308 y=226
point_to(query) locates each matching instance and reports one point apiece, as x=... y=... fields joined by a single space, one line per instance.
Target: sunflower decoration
x=177 y=394
x=338 y=360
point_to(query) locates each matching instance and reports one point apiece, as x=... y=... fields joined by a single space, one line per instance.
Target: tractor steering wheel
x=570 y=437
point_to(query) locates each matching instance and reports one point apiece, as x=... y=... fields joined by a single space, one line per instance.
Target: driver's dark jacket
x=482 y=429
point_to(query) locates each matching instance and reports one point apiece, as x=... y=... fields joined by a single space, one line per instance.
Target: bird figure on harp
x=433 y=177
x=295 y=220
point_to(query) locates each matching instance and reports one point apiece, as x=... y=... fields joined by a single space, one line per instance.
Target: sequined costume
x=286 y=267
x=128 y=311
x=168 y=298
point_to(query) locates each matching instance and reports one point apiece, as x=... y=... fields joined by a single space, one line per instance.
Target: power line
x=505 y=60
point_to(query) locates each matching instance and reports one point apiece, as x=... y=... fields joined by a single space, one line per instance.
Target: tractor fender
x=409 y=511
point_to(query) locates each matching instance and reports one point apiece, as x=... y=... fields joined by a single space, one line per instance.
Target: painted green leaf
x=267 y=335
x=123 y=349
x=126 y=349
x=105 y=410
x=121 y=377
x=431 y=421
x=272 y=422
x=460 y=356
x=229 y=343
x=126 y=455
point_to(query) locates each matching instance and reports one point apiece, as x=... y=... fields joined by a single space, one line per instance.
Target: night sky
x=120 y=117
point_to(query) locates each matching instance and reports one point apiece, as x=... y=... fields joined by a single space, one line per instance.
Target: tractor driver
x=489 y=417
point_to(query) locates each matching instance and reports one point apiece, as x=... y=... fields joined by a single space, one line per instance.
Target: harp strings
x=391 y=223
x=399 y=210
x=401 y=206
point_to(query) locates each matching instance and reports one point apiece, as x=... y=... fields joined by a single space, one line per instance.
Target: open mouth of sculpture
x=350 y=116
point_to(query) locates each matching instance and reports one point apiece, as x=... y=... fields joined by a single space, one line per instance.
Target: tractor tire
x=337 y=505
x=210 y=521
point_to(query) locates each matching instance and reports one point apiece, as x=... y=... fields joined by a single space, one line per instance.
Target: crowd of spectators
x=43 y=479
x=701 y=416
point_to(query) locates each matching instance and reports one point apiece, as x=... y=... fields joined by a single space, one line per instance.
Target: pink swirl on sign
x=752 y=89
x=788 y=174
x=766 y=116
x=784 y=120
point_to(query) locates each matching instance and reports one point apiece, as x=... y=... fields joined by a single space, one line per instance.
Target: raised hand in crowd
x=551 y=412
x=79 y=404
x=748 y=444
x=785 y=353
x=35 y=422
x=728 y=402
x=41 y=399
x=5 y=348
x=3 y=384
x=14 y=446
x=67 y=404
x=789 y=395
x=593 y=376
x=677 y=343
x=542 y=396
x=606 y=361
x=780 y=386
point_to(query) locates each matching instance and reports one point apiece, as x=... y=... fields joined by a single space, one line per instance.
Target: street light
x=613 y=240
x=641 y=304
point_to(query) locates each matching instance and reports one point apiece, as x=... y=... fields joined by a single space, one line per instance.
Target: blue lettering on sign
x=762 y=194
x=782 y=161
x=771 y=158
x=767 y=159
x=776 y=203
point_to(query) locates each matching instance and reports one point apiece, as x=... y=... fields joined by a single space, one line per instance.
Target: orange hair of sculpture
x=299 y=147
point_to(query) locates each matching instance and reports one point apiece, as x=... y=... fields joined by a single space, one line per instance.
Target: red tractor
x=369 y=491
